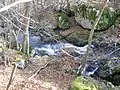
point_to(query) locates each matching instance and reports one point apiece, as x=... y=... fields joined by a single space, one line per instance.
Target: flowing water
x=42 y=48
x=55 y=49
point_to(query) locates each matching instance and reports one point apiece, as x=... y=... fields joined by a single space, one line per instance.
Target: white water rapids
x=55 y=49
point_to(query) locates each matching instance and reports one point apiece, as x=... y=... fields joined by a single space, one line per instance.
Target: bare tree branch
x=84 y=61
x=11 y=22
x=11 y=77
x=13 y=4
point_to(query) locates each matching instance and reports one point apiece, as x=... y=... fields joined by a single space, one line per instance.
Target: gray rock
x=108 y=67
x=21 y=64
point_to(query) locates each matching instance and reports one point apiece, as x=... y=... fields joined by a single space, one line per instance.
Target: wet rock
x=88 y=83
x=79 y=37
x=108 y=67
x=75 y=36
x=90 y=69
x=115 y=79
x=77 y=41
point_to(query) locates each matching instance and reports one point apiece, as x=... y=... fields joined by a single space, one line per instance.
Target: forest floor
x=54 y=73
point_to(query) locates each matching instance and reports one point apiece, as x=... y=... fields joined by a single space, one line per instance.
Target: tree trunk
x=26 y=29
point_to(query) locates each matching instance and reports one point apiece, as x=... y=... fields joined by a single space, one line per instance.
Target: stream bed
x=102 y=67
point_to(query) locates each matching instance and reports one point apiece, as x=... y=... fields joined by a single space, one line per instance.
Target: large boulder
x=79 y=36
x=86 y=15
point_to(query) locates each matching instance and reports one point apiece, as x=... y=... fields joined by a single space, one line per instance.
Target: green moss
x=22 y=54
x=107 y=19
x=63 y=22
x=88 y=83
x=81 y=83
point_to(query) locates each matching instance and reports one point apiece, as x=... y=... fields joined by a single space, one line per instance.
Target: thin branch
x=11 y=22
x=11 y=77
x=84 y=61
x=67 y=53
x=22 y=22
x=25 y=17
x=38 y=71
x=17 y=13
x=13 y=4
x=108 y=54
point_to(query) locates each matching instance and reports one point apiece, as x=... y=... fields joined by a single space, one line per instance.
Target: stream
x=55 y=49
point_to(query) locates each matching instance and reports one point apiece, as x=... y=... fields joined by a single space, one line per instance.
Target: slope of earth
x=54 y=74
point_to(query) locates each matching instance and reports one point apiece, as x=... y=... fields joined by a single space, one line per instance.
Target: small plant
x=63 y=21
x=30 y=50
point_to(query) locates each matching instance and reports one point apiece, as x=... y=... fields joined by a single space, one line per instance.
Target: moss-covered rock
x=86 y=15
x=82 y=83
x=78 y=36
x=88 y=83
x=11 y=56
